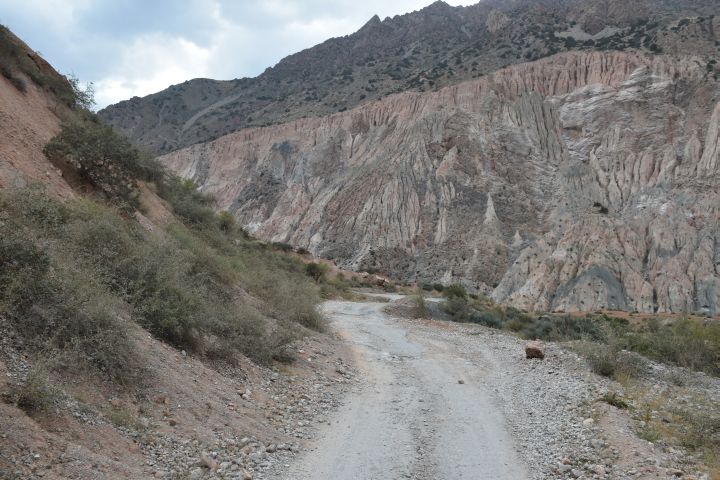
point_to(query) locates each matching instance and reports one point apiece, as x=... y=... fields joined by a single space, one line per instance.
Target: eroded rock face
x=582 y=181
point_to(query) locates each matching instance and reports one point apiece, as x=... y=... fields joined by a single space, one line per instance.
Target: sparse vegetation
x=36 y=394
x=619 y=349
x=609 y=360
x=455 y=291
x=611 y=345
x=693 y=422
x=614 y=399
x=66 y=286
x=16 y=62
x=77 y=274
x=123 y=417
x=55 y=306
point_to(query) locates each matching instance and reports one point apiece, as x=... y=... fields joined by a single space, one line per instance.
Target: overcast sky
x=137 y=47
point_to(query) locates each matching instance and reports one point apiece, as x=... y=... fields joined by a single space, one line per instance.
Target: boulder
x=534 y=350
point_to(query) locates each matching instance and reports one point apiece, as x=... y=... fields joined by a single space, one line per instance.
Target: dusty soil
x=27 y=121
x=242 y=418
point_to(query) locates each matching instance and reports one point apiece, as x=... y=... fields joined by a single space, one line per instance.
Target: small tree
x=83 y=98
x=226 y=222
x=316 y=270
x=100 y=156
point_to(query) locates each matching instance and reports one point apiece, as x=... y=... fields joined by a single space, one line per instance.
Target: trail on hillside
x=413 y=418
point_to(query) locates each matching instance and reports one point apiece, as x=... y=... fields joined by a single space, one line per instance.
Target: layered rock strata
x=583 y=181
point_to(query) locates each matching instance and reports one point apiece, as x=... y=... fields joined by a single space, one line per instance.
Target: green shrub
x=456 y=306
x=285 y=247
x=562 y=328
x=316 y=270
x=123 y=417
x=93 y=333
x=23 y=269
x=609 y=360
x=689 y=343
x=194 y=208
x=288 y=297
x=337 y=287
x=33 y=205
x=455 y=291
x=227 y=222
x=487 y=318
x=602 y=359
x=80 y=98
x=67 y=278
x=52 y=305
x=699 y=429
x=182 y=286
x=104 y=242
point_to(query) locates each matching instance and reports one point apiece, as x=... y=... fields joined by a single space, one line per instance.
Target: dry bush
x=36 y=394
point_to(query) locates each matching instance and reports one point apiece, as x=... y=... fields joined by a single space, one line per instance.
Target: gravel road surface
x=420 y=413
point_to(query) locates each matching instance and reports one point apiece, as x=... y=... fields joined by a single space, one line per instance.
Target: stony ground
x=554 y=410
x=191 y=420
x=389 y=398
x=413 y=414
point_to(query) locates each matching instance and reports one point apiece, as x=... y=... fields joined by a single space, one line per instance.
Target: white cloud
x=152 y=63
x=56 y=15
x=125 y=54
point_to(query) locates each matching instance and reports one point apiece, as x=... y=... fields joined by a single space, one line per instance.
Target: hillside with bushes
x=109 y=263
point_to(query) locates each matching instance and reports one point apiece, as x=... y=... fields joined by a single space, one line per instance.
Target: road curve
x=412 y=418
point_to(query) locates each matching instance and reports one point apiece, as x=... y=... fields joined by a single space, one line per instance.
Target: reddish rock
x=534 y=350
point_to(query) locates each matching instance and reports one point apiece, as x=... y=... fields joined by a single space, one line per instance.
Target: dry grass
x=419 y=309
x=678 y=416
x=614 y=399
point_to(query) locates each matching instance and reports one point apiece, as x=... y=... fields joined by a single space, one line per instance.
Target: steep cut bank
x=30 y=115
x=582 y=181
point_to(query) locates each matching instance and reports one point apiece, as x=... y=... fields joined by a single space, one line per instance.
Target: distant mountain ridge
x=437 y=46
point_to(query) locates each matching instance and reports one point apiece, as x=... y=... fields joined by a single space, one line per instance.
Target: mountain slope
x=579 y=182
x=436 y=46
x=137 y=325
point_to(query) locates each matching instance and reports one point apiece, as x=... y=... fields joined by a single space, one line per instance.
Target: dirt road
x=419 y=414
